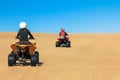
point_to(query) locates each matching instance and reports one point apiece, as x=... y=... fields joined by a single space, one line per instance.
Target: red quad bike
x=63 y=42
x=22 y=52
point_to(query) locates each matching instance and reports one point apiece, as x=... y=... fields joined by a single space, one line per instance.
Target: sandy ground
x=91 y=57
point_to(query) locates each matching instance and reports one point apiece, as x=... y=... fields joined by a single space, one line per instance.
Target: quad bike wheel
x=37 y=54
x=68 y=44
x=57 y=44
x=34 y=60
x=11 y=59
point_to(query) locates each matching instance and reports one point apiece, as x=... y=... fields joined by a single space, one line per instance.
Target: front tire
x=68 y=44
x=57 y=44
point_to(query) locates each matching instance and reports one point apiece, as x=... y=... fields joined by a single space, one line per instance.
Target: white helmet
x=22 y=25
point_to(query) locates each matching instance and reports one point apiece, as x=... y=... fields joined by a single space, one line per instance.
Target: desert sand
x=91 y=57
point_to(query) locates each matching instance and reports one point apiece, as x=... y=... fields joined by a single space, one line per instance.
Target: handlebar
x=31 y=38
x=28 y=38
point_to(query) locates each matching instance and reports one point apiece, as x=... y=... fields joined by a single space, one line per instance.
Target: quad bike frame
x=63 y=42
x=23 y=52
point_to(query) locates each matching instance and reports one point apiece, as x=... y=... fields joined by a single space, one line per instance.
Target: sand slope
x=91 y=57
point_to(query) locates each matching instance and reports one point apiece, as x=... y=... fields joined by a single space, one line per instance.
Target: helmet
x=62 y=30
x=22 y=25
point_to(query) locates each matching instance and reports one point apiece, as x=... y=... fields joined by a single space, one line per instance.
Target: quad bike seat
x=23 y=43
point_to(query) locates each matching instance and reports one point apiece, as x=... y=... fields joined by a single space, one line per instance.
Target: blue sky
x=48 y=16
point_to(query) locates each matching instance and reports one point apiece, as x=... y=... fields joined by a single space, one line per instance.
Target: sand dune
x=91 y=57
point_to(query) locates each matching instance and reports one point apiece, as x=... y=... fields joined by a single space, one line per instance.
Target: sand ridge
x=91 y=57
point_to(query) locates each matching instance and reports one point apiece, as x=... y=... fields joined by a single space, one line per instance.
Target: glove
x=16 y=38
x=31 y=38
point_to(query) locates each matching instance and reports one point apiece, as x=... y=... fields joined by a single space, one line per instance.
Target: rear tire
x=37 y=54
x=11 y=59
x=34 y=60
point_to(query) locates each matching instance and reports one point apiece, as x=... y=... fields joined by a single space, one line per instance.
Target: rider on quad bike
x=63 y=39
x=23 y=49
x=23 y=34
x=63 y=34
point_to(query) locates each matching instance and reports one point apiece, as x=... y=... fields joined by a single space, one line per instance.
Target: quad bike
x=63 y=42
x=23 y=51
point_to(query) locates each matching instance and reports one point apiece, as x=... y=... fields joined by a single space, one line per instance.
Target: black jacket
x=23 y=35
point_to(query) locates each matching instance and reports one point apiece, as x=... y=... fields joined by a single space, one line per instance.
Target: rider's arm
x=59 y=34
x=30 y=34
x=18 y=34
x=66 y=34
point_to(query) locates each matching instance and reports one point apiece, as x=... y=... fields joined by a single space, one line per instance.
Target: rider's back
x=23 y=34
